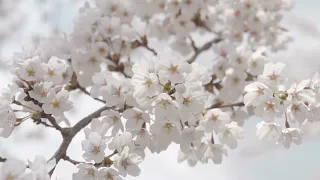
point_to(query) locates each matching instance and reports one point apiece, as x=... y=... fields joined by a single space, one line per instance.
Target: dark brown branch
x=144 y=43
x=151 y=50
x=67 y=158
x=219 y=105
x=2 y=159
x=205 y=47
x=82 y=89
x=104 y=162
x=38 y=121
x=69 y=133
x=52 y=120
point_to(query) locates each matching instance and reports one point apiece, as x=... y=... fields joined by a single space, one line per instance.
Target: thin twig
x=52 y=120
x=151 y=50
x=106 y=160
x=82 y=89
x=205 y=47
x=2 y=159
x=67 y=158
x=44 y=123
x=219 y=105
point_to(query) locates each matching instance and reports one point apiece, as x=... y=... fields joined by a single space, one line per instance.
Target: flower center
x=138 y=116
x=174 y=69
x=168 y=127
x=273 y=76
x=31 y=72
x=110 y=30
x=51 y=72
x=270 y=106
x=162 y=5
x=254 y=63
x=214 y=117
x=148 y=82
x=90 y=172
x=43 y=93
x=236 y=80
x=186 y=101
x=164 y=103
x=93 y=60
x=109 y=177
x=55 y=103
x=114 y=8
x=295 y=108
x=96 y=149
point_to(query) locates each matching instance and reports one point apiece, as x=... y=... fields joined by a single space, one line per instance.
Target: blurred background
x=23 y=21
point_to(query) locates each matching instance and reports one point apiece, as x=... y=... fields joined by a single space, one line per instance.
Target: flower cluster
x=166 y=98
x=16 y=169
x=274 y=99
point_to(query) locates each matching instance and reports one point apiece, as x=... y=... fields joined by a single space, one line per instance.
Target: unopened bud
x=283 y=96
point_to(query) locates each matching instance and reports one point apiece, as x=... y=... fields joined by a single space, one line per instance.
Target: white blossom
x=291 y=135
x=215 y=119
x=269 y=131
x=112 y=118
x=108 y=173
x=86 y=172
x=127 y=163
x=57 y=103
x=12 y=169
x=94 y=147
x=256 y=93
x=214 y=152
x=135 y=118
x=230 y=134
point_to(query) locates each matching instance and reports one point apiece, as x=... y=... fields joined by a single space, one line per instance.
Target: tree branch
x=38 y=121
x=205 y=47
x=219 y=105
x=82 y=89
x=104 y=162
x=2 y=159
x=52 y=121
x=69 y=133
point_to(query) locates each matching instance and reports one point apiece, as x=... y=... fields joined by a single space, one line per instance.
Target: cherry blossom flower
x=127 y=163
x=230 y=134
x=214 y=152
x=120 y=141
x=54 y=70
x=86 y=172
x=41 y=91
x=31 y=69
x=57 y=103
x=12 y=169
x=269 y=110
x=40 y=168
x=94 y=148
x=291 y=135
x=108 y=173
x=272 y=74
x=165 y=108
x=215 y=119
x=98 y=126
x=135 y=118
x=256 y=93
x=7 y=121
x=268 y=131
x=112 y=118
x=172 y=68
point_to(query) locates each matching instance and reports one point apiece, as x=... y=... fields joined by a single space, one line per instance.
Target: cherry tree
x=155 y=97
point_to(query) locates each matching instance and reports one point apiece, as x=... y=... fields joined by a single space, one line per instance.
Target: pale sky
x=251 y=161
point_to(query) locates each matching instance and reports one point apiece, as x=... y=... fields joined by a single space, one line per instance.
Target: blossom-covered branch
x=153 y=101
